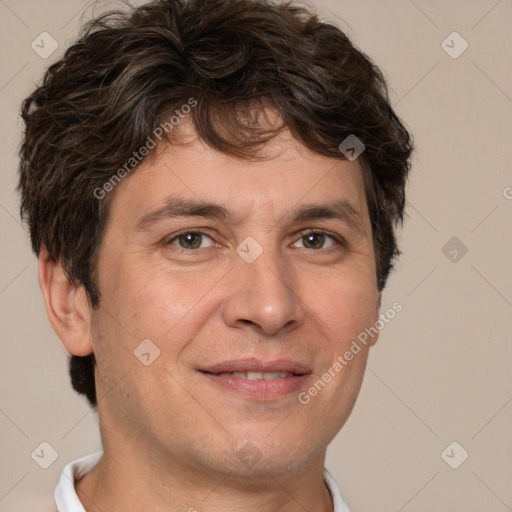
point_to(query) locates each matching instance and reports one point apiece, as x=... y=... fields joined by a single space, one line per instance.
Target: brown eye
x=318 y=240
x=189 y=240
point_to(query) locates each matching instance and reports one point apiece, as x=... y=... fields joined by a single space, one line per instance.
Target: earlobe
x=67 y=307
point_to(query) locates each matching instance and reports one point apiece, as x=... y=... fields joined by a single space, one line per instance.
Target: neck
x=138 y=473
x=121 y=481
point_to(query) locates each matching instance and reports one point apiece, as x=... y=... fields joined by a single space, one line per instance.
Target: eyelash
x=338 y=240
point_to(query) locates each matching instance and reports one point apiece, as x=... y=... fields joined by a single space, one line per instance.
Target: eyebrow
x=178 y=207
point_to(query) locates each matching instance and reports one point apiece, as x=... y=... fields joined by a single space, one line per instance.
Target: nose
x=263 y=295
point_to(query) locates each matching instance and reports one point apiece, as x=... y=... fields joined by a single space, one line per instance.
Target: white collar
x=67 y=499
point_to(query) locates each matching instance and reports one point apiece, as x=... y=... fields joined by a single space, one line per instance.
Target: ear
x=67 y=307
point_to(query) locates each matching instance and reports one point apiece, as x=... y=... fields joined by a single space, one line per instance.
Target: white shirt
x=67 y=499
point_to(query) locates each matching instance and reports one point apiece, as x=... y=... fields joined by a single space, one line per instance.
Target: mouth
x=258 y=379
x=258 y=375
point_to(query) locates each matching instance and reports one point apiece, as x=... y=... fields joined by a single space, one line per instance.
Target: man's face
x=249 y=291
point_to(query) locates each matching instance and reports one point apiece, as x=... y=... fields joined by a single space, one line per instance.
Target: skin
x=170 y=436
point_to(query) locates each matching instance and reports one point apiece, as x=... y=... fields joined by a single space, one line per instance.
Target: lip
x=261 y=389
x=258 y=365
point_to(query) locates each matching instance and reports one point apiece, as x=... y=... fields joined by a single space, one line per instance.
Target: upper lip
x=258 y=365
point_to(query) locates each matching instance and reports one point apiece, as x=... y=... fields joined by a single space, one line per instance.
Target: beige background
x=441 y=369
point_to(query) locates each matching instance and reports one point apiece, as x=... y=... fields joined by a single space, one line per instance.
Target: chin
x=273 y=453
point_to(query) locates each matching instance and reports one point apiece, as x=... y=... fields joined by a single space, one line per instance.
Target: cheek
x=346 y=305
x=165 y=301
x=166 y=308
x=112 y=351
x=151 y=301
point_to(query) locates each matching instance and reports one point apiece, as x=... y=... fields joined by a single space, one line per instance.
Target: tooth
x=258 y=375
x=254 y=375
x=271 y=375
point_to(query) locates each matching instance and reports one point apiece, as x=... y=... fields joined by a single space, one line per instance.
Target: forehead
x=290 y=175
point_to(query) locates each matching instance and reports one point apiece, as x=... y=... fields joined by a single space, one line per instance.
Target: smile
x=259 y=375
x=258 y=386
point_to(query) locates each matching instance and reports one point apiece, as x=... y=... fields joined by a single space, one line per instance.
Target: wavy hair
x=129 y=71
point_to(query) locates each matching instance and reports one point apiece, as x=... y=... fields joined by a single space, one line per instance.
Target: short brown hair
x=129 y=71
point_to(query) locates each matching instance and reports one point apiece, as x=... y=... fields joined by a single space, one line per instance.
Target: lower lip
x=260 y=389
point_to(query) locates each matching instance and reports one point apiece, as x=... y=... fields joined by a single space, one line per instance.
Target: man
x=212 y=189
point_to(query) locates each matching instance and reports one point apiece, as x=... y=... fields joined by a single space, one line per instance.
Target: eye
x=318 y=239
x=189 y=240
